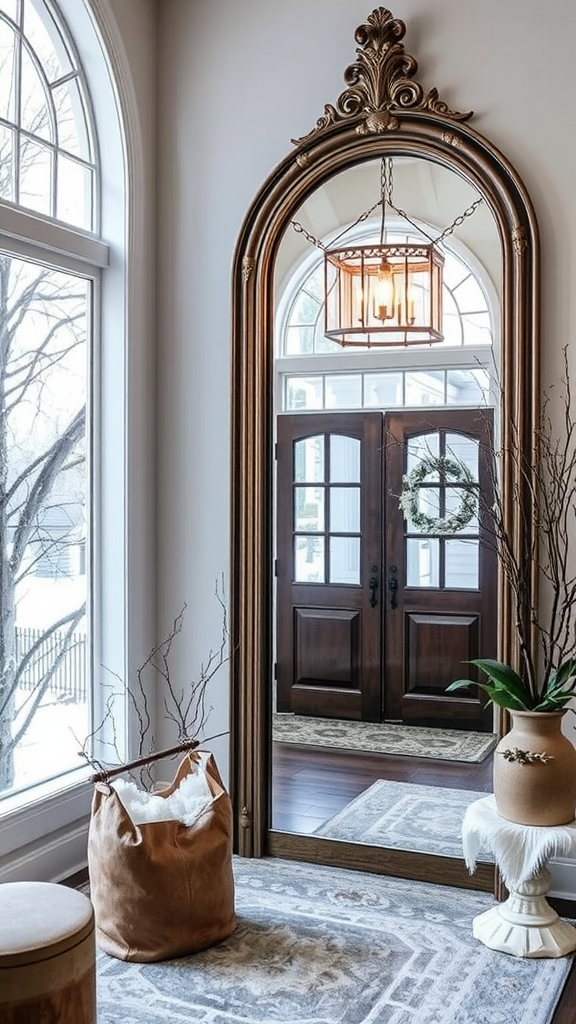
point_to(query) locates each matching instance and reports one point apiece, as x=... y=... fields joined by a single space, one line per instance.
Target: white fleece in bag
x=185 y=804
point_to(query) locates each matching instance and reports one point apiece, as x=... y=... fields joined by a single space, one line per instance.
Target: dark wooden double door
x=375 y=617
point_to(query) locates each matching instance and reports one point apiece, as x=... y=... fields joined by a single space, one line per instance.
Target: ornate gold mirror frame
x=383 y=111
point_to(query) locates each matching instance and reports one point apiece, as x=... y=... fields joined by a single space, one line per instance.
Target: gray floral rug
x=384 y=738
x=403 y=816
x=317 y=945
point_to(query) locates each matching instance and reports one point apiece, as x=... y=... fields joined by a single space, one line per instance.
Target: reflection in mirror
x=375 y=655
x=383 y=769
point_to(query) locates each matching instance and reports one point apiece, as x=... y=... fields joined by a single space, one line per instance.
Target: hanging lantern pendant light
x=386 y=294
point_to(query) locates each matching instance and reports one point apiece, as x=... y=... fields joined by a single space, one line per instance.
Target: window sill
x=28 y=816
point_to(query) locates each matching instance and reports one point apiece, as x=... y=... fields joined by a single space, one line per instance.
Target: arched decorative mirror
x=385 y=346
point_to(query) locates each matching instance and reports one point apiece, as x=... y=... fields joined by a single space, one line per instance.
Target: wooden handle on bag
x=103 y=776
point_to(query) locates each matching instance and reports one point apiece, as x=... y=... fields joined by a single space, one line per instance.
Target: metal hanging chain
x=300 y=230
x=387 y=177
x=316 y=241
x=460 y=220
x=386 y=191
x=386 y=186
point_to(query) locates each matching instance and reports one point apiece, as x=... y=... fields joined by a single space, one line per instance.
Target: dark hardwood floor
x=311 y=784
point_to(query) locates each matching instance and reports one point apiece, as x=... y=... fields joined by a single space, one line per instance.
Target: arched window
x=52 y=258
x=47 y=144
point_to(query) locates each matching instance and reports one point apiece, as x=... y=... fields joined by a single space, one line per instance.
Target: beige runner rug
x=383 y=738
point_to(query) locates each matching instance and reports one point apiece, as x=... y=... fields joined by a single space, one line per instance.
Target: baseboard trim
x=62 y=855
x=53 y=858
x=563 y=879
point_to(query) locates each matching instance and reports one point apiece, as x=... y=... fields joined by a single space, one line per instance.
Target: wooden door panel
x=329 y=635
x=437 y=649
x=327 y=662
x=327 y=646
x=433 y=631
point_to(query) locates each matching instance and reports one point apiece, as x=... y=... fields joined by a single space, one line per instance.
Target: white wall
x=237 y=81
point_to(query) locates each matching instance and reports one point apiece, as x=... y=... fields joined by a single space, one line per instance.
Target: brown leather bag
x=162 y=889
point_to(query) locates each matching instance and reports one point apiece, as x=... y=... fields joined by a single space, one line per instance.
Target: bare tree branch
x=185 y=706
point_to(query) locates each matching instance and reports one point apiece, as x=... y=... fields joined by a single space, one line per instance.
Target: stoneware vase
x=537 y=790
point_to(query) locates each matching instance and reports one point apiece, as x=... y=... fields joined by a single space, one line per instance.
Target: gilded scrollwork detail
x=450 y=138
x=303 y=161
x=519 y=240
x=380 y=84
x=248 y=264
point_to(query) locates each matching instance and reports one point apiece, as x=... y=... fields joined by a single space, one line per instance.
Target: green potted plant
x=535 y=763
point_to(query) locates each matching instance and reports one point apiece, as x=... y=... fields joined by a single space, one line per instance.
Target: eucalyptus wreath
x=459 y=473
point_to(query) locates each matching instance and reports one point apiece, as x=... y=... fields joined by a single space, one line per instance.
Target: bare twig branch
x=186 y=707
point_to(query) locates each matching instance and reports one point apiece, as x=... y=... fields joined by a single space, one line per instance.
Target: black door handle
x=393 y=586
x=373 y=587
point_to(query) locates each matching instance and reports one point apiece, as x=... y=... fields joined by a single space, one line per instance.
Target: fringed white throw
x=521 y=851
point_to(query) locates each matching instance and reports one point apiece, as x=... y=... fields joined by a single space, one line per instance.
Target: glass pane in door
x=344 y=509
x=345 y=560
x=344 y=459
x=309 y=460
x=462 y=559
x=428 y=503
x=309 y=559
x=465 y=450
x=422 y=447
x=422 y=562
x=463 y=501
x=309 y=509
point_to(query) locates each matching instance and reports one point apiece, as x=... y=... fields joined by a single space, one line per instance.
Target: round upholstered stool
x=47 y=954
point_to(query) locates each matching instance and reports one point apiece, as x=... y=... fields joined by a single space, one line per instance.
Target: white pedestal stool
x=525 y=924
x=47 y=954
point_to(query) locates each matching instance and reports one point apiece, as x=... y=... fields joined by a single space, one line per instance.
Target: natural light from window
x=47 y=317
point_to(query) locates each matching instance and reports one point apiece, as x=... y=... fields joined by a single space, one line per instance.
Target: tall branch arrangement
x=186 y=707
x=544 y=498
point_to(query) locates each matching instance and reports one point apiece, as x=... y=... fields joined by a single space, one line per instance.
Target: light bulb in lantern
x=357 y=300
x=411 y=307
x=384 y=292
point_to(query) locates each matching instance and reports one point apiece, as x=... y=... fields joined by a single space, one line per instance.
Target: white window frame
x=45 y=837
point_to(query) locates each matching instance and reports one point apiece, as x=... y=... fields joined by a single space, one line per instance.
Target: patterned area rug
x=383 y=738
x=405 y=817
x=318 y=945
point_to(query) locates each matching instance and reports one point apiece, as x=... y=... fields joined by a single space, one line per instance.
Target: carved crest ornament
x=380 y=83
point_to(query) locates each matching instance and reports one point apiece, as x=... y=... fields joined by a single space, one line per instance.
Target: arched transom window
x=47 y=149
x=315 y=372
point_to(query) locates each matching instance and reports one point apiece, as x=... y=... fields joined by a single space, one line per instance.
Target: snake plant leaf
x=563 y=677
x=553 y=703
x=560 y=688
x=497 y=694
x=460 y=684
x=504 y=678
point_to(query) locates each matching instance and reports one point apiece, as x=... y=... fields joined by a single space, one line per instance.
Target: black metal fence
x=59 y=658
